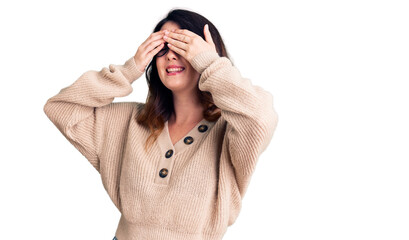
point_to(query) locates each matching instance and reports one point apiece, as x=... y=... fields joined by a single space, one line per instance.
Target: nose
x=171 y=55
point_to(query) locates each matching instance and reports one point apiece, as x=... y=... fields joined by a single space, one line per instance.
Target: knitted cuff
x=203 y=60
x=131 y=70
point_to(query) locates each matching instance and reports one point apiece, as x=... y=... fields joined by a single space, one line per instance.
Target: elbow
x=267 y=123
x=268 y=116
x=46 y=108
x=273 y=120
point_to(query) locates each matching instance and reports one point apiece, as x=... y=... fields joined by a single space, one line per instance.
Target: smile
x=174 y=71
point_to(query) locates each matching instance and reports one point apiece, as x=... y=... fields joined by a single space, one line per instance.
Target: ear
x=207 y=34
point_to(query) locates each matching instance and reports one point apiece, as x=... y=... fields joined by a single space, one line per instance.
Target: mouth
x=174 y=70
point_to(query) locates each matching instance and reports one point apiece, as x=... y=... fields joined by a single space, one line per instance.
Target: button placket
x=202 y=128
x=164 y=171
x=165 y=165
x=193 y=136
x=169 y=153
x=188 y=140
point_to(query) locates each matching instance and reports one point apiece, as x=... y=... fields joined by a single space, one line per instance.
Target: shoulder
x=124 y=106
x=121 y=110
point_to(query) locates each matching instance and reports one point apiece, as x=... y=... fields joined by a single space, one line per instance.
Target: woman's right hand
x=152 y=45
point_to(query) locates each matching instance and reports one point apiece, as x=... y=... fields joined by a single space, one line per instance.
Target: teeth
x=174 y=69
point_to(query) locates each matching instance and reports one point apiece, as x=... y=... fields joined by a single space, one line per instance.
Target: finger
x=156 y=50
x=158 y=32
x=208 y=35
x=177 y=50
x=178 y=36
x=176 y=43
x=185 y=32
x=153 y=37
x=153 y=45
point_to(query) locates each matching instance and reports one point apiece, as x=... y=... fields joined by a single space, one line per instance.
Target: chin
x=174 y=83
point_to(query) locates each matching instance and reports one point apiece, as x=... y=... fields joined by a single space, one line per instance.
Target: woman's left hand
x=188 y=44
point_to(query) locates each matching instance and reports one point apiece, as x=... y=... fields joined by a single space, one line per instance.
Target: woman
x=177 y=166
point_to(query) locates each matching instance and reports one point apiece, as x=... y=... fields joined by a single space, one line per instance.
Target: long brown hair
x=159 y=105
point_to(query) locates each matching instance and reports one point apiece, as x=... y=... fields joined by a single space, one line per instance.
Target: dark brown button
x=188 y=140
x=202 y=128
x=169 y=153
x=163 y=172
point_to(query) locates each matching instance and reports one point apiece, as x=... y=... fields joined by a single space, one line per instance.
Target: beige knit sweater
x=188 y=191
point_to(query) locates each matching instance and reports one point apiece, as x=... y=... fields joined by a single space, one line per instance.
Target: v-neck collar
x=193 y=137
x=169 y=152
x=180 y=140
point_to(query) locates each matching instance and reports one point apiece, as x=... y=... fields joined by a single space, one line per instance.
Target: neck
x=188 y=109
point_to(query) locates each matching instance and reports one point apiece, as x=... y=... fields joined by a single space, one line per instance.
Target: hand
x=152 y=45
x=188 y=44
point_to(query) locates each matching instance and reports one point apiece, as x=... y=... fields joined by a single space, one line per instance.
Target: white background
x=337 y=167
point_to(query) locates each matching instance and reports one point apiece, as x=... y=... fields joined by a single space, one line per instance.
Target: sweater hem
x=129 y=231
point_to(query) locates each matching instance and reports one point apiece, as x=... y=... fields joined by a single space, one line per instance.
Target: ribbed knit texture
x=206 y=179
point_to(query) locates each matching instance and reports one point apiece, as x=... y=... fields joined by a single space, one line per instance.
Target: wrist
x=138 y=66
x=131 y=71
x=202 y=60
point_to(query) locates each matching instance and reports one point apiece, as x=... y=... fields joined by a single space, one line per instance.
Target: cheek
x=191 y=70
x=194 y=74
x=159 y=66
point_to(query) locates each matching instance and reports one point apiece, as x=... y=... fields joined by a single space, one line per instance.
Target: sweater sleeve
x=248 y=110
x=78 y=111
